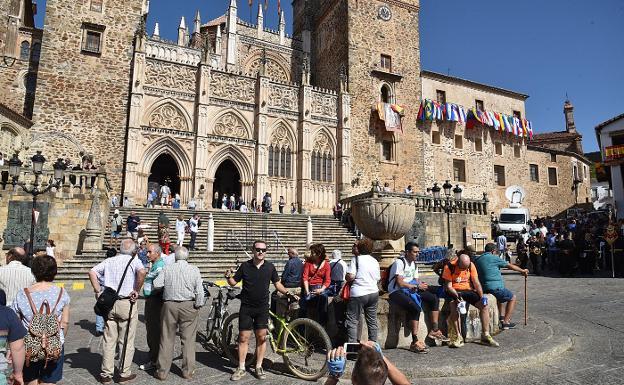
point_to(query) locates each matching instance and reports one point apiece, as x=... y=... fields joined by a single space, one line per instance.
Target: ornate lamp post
x=449 y=203
x=38 y=161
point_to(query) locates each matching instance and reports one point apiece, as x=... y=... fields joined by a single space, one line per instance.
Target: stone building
x=240 y=108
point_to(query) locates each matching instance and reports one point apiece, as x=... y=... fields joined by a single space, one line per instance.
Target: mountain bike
x=302 y=343
x=217 y=314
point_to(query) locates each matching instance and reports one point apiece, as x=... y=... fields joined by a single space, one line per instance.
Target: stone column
x=134 y=181
x=94 y=230
x=261 y=166
x=304 y=148
x=210 y=233
x=201 y=128
x=343 y=146
x=309 y=239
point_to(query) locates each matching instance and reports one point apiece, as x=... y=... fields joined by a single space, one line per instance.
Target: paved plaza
x=575 y=336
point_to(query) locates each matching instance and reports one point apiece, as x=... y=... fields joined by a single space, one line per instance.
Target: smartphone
x=352 y=348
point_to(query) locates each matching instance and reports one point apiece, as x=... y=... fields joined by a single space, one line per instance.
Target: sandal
x=438 y=336
x=419 y=347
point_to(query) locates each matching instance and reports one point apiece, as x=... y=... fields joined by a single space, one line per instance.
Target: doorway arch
x=227 y=179
x=164 y=170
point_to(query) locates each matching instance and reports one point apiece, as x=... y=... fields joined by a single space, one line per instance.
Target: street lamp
x=451 y=195
x=38 y=161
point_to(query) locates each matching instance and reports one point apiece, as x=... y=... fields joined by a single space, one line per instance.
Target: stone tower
x=376 y=43
x=568 y=111
x=84 y=73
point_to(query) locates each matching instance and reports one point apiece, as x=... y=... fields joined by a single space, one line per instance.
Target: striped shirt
x=181 y=282
x=14 y=277
x=111 y=270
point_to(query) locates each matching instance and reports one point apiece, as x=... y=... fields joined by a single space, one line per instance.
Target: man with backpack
x=124 y=275
x=462 y=286
x=412 y=295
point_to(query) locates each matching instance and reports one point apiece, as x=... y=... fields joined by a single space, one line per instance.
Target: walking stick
x=125 y=344
x=526 y=301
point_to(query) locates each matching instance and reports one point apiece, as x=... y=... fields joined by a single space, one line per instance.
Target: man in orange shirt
x=462 y=285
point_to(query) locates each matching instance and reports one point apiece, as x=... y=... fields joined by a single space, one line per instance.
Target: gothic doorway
x=227 y=179
x=164 y=170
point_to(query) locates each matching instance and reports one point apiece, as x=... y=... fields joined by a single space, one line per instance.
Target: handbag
x=106 y=300
x=345 y=292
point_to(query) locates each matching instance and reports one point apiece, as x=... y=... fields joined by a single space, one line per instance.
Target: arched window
x=280 y=153
x=322 y=167
x=288 y=164
x=386 y=94
x=271 y=155
x=25 y=50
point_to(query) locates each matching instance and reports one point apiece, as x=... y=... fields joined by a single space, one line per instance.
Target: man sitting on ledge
x=488 y=267
x=407 y=292
x=462 y=285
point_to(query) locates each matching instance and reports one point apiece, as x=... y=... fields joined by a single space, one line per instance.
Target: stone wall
x=430 y=229
x=68 y=211
x=81 y=102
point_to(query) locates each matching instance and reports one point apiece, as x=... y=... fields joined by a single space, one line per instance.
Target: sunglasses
x=259 y=250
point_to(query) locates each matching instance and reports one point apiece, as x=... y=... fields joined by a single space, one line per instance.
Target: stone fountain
x=385 y=220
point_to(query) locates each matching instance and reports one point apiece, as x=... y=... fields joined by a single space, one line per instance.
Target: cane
x=125 y=344
x=526 y=301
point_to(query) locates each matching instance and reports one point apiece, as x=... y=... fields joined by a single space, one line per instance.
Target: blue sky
x=541 y=48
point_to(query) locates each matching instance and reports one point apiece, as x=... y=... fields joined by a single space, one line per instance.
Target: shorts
x=52 y=373
x=502 y=295
x=253 y=318
x=470 y=296
x=115 y=234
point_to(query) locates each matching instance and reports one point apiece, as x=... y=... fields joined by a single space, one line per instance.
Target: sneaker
x=508 y=326
x=105 y=379
x=419 y=347
x=147 y=366
x=438 y=336
x=488 y=340
x=259 y=373
x=458 y=343
x=127 y=379
x=238 y=374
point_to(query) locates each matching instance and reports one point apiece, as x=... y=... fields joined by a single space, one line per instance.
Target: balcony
x=614 y=154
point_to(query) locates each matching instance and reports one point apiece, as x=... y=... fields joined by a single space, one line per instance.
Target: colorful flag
x=398 y=109
x=381 y=111
x=421 y=111
x=494 y=119
x=428 y=110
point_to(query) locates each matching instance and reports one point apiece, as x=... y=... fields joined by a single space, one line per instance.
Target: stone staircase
x=233 y=232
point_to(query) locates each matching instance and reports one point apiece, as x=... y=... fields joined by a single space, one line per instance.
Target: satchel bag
x=106 y=300
x=345 y=292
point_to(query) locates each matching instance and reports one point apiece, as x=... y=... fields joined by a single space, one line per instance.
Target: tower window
x=478 y=144
x=386 y=62
x=479 y=105
x=553 y=157
x=517 y=151
x=459 y=142
x=385 y=93
x=441 y=96
x=459 y=170
x=386 y=150
x=92 y=38
x=517 y=114
x=321 y=167
x=96 y=5
x=552 y=176
x=25 y=50
x=534 y=172
x=498 y=148
x=435 y=137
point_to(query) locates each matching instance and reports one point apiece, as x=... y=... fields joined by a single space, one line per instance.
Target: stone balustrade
x=426 y=203
x=74 y=181
x=172 y=52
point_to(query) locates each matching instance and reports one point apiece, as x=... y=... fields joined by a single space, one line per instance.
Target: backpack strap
x=404 y=264
x=30 y=301
x=124 y=274
x=58 y=300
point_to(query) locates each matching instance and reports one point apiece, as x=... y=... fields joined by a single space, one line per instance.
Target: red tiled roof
x=558 y=135
x=218 y=21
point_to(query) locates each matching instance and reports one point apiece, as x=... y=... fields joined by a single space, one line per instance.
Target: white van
x=512 y=221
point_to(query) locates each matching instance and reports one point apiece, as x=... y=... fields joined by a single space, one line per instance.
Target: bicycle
x=302 y=343
x=217 y=314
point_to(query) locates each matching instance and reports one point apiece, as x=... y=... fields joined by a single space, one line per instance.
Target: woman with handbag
x=315 y=281
x=362 y=278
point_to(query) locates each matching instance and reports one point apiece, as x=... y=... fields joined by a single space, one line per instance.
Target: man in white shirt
x=193 y=229
x=15 y=276
x=124 y=314
x=404 y=275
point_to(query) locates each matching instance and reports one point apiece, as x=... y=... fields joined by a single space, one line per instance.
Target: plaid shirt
x=181 y=282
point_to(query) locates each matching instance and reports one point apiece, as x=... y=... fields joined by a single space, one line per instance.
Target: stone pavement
x=575 y=336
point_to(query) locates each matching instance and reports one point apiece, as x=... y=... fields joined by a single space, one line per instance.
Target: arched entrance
x=227 y=179
x=164 y=170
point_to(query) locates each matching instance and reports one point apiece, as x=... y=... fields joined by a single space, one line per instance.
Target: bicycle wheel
x=229 y=341
x=210 y=324
x=304 y=346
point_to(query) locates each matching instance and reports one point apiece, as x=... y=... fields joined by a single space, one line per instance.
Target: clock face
x=384 y=13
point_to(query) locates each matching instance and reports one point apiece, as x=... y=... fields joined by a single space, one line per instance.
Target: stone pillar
x=210 y=233
x=94 y=230
x=261 y=136
x=201 y=128
x=231 y=26
x=309 y=239
x=134 y=181
x=343 y=146
x=304 y=148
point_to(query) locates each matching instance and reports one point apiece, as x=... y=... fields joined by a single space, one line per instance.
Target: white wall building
x=610 y=135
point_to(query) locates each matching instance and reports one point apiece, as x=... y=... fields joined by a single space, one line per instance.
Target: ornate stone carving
x=280 y=137
x=283 y=97
x=324 y=105
x=171 y=76
x=168 y=116
x=273 y=70
x=230 y=125
x=322 y=143
x=232 y=87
